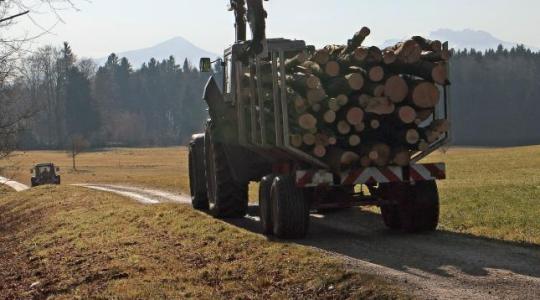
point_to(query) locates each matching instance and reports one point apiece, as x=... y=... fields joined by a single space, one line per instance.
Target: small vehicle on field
x=43 y=174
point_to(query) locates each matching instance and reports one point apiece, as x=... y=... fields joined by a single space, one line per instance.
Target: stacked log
x=358 y=106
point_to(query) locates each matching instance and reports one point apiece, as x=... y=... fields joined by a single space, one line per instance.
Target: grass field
x=70 y=243
x=490 y=192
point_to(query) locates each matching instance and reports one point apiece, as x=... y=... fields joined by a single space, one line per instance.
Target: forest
x=495 y=99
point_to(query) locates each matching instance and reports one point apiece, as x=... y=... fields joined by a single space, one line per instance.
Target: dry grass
x=492 y=192
x=164 y=168
x=74 y=243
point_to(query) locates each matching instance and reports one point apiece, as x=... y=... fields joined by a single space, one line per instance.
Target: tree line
x=158 y=104
x=495 y=99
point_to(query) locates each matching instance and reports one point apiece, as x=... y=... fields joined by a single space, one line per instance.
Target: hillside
x=178 y=47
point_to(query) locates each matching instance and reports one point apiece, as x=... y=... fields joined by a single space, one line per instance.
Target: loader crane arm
x=255 y=15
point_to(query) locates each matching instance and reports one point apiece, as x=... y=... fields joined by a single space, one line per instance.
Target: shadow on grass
x=362 y=235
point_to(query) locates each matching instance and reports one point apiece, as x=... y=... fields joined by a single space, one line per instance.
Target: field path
x=142 y=195
x=17 y=186
x=441 y=265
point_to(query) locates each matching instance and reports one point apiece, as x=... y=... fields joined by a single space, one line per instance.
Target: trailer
x=247 y=139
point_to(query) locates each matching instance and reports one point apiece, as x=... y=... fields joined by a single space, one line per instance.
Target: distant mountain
x=467 y=39
x=178 y=47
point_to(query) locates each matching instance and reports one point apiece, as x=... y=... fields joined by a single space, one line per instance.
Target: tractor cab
x=45 y=174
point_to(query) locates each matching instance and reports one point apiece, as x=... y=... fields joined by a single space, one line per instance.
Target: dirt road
x=17 y=186
x=442 y=265
x=143 y=195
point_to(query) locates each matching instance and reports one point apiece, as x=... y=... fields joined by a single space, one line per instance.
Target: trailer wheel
x=265 y=204
x=290 y=210
x=420 y=212
x=228 y=198
x=197 y=180
x=390 y=209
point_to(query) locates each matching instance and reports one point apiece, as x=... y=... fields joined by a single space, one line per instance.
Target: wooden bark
x=428 y=45
x=357 y=39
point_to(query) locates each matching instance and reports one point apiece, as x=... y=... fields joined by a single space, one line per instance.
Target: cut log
x=321 y=57
x=389 y=57
x=428 y=45
x=354 y=140
x=329 y=117
x=375 y=124
x=373 y=89
x=402 y=157
x=435 y=72
x=309 y=139
x=296 y=141
x=406 y=114
x=307 y=121
x=407 y=52
x=343 y=127
x=360 y=127
x=355 y=80
x=412 y=136
x=342 y=99
x=332 y=68
x=380 y=106
x=339 y=159
x=396 y=88
x=300 y=104
x=423 y=115
x=424 y=94
x=376 y=73
x=319 y=151
x=316 y=96
x=357 y=39
x=380 y=154
x=334 y=51
x=355 y=116
x=292 y=63
x=436 y=56
x=302 y=82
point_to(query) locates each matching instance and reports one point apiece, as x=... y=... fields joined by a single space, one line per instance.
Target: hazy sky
x=104 y=26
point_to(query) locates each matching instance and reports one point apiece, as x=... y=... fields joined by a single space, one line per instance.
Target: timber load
x=355 y=105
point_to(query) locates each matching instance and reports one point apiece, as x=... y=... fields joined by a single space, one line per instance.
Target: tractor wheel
x=290 y=210
x=228 y=198
x=391 y=194
x=421 y=210
x=197 y=180
x=265 y=204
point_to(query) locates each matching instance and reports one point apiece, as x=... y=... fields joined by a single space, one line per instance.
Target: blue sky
x=104 y=26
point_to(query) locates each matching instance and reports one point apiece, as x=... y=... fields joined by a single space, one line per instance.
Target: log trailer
x=247 y=139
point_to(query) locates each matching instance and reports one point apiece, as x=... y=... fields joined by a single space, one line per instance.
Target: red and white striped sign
x=372 y=175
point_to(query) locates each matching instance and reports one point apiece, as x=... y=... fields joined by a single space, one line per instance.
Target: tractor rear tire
x=290 y=210
x=411 y=208
x=265 y=204
x=197 y=176
x=228 y=198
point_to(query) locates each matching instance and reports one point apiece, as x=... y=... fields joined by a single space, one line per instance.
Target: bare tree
x=78 y=145
x=12 y=49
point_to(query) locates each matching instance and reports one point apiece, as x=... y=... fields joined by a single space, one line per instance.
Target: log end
x=396 y=89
